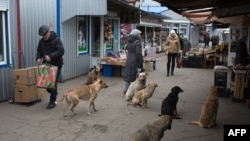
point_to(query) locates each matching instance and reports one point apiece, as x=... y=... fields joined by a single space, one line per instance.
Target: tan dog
x=93 y=75
x=86 y=92
x=137 y=85
x=153 y=131
x=143 y=95
x=209 y=110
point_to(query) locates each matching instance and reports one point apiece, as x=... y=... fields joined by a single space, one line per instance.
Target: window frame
x=4 y=54
x=86 y=50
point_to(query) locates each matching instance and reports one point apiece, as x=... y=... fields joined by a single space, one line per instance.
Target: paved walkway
x=114 y=120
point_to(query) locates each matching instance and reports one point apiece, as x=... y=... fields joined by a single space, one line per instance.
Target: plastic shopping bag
x=46 y=77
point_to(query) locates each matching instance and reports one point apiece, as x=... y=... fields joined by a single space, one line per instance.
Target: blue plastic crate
x=108 y=70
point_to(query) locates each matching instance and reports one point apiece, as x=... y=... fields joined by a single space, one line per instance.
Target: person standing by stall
x=242 y=56
x=172 y=49
x=50 y=49
x=206 y=39
x=134 y=61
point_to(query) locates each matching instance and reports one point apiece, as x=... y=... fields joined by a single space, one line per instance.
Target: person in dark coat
x=50 y=49
x=186 y=45
x=206 y=40
x=134 y=61
x=242 y=55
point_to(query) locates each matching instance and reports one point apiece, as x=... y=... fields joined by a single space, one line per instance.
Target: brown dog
x=137 y=85
x=141 y=97
x=209 y=110
x=85 y=92
x=93 y=75
x=153 y=131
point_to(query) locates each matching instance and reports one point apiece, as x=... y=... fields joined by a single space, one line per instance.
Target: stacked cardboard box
x=25 y=89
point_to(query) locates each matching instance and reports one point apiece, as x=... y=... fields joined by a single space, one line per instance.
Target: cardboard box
x=148 y=66
x=40 y=92
x=35 y=69
x=24 y=76
x=117 y=71
x=24 y=93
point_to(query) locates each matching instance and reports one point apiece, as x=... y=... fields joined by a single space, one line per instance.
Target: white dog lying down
x=138 y=84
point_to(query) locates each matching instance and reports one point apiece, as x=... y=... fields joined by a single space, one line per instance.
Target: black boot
x=51 y=105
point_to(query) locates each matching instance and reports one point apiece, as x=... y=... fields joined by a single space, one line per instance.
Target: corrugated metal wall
x=34 y=13
x=83 y=7
x=6 y=84
x=6 y=81
x=74 y=65
x=4 y=5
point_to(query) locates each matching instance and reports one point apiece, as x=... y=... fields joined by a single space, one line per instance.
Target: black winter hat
x=43 y=30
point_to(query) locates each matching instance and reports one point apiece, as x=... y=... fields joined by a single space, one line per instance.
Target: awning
x=200 y=18
x=223 y=8
x=204 y=11
x=127 y=13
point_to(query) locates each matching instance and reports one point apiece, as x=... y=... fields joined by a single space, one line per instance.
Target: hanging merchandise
x=107 y=31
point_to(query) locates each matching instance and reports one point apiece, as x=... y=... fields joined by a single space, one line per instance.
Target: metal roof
x=208 y=11
x=154 y=9
x=222 y=8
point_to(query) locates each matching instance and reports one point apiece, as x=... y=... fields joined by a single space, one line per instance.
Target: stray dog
x=143 y=95
x=209 y=110
x=93 y=75
x=137 y=85
x=85 y=92
x=153 y=131
x=169 y=104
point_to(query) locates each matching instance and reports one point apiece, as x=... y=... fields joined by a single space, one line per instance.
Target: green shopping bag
x=46 y=77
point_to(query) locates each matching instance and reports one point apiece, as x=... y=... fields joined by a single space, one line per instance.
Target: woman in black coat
x=134 y=61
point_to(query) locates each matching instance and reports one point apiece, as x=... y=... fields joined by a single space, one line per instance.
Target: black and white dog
x=169 y=104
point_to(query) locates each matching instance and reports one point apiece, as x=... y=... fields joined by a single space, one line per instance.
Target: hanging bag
x=46 y=77
x=179 y=61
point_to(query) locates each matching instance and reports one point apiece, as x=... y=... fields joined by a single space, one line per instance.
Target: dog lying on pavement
x=137 y=85
x=85 y=92
x=209 y=110
x=169 y=104
x=141 y=97
x=93 y=75
x=153 y=131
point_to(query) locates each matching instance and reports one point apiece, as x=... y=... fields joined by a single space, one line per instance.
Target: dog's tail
x=195 y=123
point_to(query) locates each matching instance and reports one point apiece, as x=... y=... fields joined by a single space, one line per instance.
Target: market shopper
x=206 y=39
x=242 y=56
x=186 y=45
x=241 y=52
x=134 y=61
x=50 y=49
x=172 y=49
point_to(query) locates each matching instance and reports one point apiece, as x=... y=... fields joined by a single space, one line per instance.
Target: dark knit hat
x=43 y=30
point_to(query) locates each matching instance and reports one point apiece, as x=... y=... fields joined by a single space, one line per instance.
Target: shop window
x=95 y=40
x=82 y=45
x=2 y=40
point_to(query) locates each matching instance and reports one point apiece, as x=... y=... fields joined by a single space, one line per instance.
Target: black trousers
x=171 y=60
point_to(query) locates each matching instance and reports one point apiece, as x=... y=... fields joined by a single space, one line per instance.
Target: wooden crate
x=239 y=85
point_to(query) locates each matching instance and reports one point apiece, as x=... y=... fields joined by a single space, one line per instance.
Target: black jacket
x=241 y=53
x=52 y=47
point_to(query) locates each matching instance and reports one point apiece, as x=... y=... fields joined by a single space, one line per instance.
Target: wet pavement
x=114 y=120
